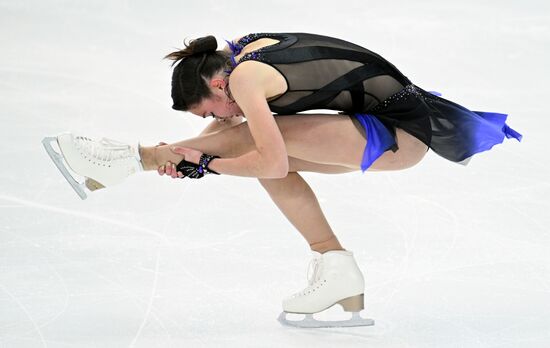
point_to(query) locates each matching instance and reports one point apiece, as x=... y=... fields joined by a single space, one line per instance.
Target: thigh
x=411 y=151
x=337 y=140
x=324 y=139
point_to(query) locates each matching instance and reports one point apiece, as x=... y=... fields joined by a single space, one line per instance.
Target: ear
x=218 y=82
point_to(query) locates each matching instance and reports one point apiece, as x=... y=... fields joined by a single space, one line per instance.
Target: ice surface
x=454 y=256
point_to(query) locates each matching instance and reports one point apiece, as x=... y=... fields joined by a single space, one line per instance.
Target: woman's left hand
x=194 y=164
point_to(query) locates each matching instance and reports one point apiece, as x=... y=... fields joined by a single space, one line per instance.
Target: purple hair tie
x=235 y=49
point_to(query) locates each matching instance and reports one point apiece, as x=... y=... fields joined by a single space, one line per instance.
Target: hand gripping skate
x=336 y=280
x=102 y=163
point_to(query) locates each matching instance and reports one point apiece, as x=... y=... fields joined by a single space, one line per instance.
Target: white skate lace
x=315 y=264
x=105 y=150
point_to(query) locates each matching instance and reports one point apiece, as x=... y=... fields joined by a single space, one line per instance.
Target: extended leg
x=325 y=139
x=322 y=139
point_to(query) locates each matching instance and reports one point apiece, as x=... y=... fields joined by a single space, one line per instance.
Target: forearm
x=251 y=164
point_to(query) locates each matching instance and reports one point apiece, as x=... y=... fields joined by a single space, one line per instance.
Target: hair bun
x=207 y=44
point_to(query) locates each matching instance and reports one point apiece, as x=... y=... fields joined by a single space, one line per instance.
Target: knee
x=413 y=158
x=271 y=185
x=292 y=185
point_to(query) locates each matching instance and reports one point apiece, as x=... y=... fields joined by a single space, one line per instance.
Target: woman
x=261 y=74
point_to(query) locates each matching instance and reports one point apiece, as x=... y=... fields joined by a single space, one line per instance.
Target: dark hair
x=199 y=60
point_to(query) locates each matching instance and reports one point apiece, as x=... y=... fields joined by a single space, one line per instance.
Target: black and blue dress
x=328 y=73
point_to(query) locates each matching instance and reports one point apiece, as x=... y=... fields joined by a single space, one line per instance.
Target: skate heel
x=93 y=185
x=353 y=304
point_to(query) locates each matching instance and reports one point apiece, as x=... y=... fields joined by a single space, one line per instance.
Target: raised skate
x=89 y=164
x=336 y=279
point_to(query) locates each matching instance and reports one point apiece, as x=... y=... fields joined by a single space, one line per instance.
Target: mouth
x=225 y=117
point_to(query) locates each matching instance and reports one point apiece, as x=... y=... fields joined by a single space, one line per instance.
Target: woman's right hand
x=169 y=168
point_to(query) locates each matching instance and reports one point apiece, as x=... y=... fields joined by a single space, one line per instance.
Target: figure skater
x=255 y=89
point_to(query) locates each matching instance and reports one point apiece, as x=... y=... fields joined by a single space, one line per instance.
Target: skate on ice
x=336 y=279
x=98 y=163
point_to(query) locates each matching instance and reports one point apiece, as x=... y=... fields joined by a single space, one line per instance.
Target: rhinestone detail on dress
x=237 y=47
x=408 y=90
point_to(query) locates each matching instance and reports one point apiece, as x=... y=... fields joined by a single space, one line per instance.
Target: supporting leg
x=298 y=203
x=310 y=220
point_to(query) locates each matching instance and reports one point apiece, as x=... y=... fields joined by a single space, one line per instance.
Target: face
x=218 y=105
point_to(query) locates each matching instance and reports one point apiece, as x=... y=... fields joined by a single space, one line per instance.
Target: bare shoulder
x=249 y=75
x=260 y=76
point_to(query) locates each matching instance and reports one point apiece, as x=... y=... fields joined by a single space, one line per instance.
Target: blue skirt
x=449 y=129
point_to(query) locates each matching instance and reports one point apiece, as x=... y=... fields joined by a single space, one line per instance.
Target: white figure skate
x=102 y=162
x=336 y=279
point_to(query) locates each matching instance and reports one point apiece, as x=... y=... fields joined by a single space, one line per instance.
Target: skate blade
x=58 y=160
x=309 y=322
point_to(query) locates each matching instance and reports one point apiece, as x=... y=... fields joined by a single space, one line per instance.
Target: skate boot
x=336 y=279
x=102 y=162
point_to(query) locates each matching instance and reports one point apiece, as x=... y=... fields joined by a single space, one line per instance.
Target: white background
x=453 y=256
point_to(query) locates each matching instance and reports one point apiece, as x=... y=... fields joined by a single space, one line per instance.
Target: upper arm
x=248 y=89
